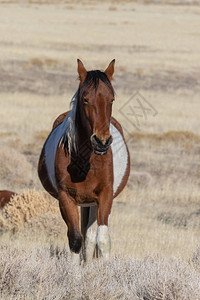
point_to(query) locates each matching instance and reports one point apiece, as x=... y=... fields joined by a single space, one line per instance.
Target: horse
x=5 y=197
x=85 y=162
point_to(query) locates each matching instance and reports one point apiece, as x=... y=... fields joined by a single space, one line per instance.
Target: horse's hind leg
x=84 y=222
x=90 y=233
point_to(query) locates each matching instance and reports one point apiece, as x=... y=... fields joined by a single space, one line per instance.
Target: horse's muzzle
x=100 y=147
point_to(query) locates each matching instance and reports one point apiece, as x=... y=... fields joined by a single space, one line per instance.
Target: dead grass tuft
x=23 y=208
x=7 y=134
x=42 y=62
x=51 y=62
x=43 y=273
x=169 y=136
x=36 y=62
x=112 y=8
x=187 y=140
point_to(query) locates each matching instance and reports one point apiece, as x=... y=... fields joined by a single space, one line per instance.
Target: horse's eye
x=85 y=101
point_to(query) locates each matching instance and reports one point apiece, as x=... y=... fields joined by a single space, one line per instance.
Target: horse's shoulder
x=59 y=119
x=117 y=125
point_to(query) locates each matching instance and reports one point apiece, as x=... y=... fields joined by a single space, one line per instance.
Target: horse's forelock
x=92 y=80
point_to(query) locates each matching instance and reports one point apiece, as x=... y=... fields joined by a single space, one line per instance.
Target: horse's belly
x=87 y=204
x=120 y=157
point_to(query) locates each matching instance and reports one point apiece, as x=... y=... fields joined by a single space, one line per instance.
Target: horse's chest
x=87 y=177
x=87 y=187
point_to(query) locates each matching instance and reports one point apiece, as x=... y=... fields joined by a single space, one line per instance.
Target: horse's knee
x=75 y=240
x=103 y=241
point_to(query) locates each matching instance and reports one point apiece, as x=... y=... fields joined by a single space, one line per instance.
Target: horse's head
x=96 y=96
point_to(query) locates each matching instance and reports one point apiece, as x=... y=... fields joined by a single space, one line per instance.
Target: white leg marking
x=76 y=258
x=103 y=241
x=90 y=241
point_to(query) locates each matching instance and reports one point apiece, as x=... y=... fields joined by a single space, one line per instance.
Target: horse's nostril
x=109 y=140
x=98 y=141
x=95 y=139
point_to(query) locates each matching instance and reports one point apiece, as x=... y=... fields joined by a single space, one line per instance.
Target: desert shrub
x=15 y=170
x=24 y=208
x=44 y=274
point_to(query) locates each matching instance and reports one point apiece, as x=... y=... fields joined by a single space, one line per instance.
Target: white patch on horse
x=57 y=138
x=120 y=157
x=76 y=259
x=51 y=148
x=103 y=241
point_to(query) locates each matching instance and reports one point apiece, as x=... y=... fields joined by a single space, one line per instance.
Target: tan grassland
x=155 y=221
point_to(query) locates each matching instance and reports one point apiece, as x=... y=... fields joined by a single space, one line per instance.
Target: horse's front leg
x=69 y=212
x=103 y=236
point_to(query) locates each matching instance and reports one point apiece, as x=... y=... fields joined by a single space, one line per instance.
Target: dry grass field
x=155 y=221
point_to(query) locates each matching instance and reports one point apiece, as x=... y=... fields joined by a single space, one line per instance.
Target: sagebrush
x=46 y=273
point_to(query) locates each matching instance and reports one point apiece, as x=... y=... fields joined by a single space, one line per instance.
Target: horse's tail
x=5 y=197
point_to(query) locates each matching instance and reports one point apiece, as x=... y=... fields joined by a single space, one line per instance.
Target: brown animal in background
x=5 y=197
x=85 y=161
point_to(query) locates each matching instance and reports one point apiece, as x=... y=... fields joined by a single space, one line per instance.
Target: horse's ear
x=81 y=71
x=110 y=70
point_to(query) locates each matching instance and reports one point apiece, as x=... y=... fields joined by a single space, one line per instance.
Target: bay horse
x=5 y=197
x=85 y=162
